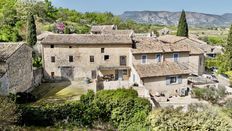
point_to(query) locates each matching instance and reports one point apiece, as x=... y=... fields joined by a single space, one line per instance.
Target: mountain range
x=172 y=18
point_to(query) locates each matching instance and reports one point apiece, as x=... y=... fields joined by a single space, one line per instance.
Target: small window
x=91 y=58
x=173 y=80
x=53 y=59
x=176 y=57
x=70 y=58
x=158 y=57
x=52 y=74
x=124 y=72
x=144 y=59
x=106 y=57
x=123 y=60
x=52 y=46
x=102 y=50
x=94 y=74
x=70 y=46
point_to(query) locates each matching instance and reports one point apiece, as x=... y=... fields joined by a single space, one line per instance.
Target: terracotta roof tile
x=100 y=28
x=194 y=45
x=152 y=45
x=86 y=39
x=161 y=69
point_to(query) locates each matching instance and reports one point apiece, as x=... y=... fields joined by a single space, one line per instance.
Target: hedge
x=122 y=108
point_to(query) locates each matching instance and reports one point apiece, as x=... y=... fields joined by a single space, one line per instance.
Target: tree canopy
x=13 y=19
x=182 y=26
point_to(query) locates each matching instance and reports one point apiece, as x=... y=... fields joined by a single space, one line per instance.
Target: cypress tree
x=182 y=26
x=31 y=30
x=228 y=49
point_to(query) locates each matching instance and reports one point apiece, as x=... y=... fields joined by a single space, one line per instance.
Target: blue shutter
x=180 y=79
x=167 y=80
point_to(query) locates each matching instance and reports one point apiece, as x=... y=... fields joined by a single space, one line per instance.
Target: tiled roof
x=152 y=45
x=118 y=32
x=7 y=49
x=161 y=69
x=43 y=35
x=86 y=39
x=100 y=28
x=171 y=38
x=194 y=45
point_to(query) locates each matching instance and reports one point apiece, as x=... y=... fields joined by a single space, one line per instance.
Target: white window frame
x=158 y=59
x=143 y=59
x=178 y=56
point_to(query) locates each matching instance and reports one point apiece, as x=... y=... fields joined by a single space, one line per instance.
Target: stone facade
x=18 y=76
x=99 y=55
x=81 y=64
x=197 y=64
x=160 y=85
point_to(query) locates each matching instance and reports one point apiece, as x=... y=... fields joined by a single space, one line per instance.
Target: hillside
x=171 y=18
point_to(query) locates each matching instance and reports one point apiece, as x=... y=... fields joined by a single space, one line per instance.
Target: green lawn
x=58 y=92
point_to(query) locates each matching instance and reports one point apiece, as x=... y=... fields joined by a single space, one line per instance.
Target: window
x=102 y=50
x=124 y=72
x=94 y=74
x=53 y=59
x=52 y=46
x=91 y=58
x=52 y=74
x=158 y=57
x=122 y=60
x=70 y=58
x=173 y=80
x=144 y=59
x=106 y=57
x=176 y=57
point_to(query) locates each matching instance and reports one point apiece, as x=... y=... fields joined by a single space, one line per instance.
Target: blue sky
x=119 y=6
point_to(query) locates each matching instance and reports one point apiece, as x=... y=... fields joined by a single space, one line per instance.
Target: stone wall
x=20 y=72
x=183 y=58
x=81 y=64
x=4 y=85
x=37 y=77
x=196 y=64
x=158 y=84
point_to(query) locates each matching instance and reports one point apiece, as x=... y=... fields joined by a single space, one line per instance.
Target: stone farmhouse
x=117 y=59
x=16 y=74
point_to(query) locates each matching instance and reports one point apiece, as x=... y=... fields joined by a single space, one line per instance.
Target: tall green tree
x=182 y=26
x=31 y=30
x=228 y=49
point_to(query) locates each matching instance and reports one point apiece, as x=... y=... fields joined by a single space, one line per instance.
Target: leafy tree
x=31 y=30
x=182 y=26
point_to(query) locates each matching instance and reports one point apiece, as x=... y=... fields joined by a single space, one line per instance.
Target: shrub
x=194 y=119
x=8 y=112
x=213 y=40
x=80 y=112
x=23 y=97
x=122 y=108
x=212 y=95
